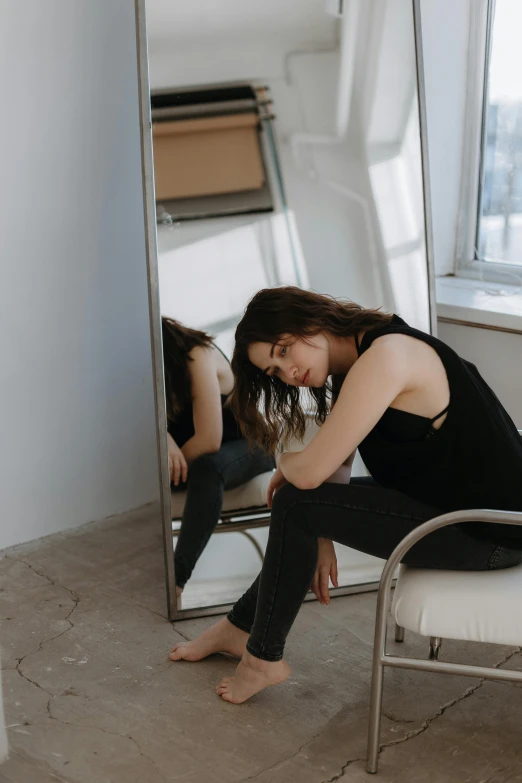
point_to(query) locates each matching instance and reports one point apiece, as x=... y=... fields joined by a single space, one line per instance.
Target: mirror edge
x=423 y=128
x=151 y=252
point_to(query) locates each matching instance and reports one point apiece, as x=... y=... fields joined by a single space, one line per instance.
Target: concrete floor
x=91 y=697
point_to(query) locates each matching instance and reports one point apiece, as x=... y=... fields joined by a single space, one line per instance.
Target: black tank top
x=474 y=460
x=182 y=427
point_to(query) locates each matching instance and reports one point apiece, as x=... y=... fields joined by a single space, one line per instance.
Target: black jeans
x=234 y=464
x=361 y=515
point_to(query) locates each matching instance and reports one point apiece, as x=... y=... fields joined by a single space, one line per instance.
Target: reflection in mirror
x=206 y=452
x=286 y=151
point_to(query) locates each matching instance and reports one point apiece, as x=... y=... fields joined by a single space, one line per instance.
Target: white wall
x=498 y=356
x=78 y=432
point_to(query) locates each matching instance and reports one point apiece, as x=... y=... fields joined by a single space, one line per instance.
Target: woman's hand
x=326 y=567
x=178 y=468
x=276 y=482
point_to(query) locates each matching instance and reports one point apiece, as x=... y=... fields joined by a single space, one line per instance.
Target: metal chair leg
x=435 y=643
x=255 y=542
x=399 y=633
x=379 y=648
x=380 y=659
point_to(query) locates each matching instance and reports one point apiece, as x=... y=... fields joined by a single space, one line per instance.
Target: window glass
x=500 y=210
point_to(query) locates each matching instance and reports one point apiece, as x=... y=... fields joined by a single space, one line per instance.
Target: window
x=499 y=224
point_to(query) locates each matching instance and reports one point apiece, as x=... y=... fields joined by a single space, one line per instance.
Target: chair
x=479 y=606
x=244 y=508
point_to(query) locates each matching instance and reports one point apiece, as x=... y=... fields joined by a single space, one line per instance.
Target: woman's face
x=295 y=360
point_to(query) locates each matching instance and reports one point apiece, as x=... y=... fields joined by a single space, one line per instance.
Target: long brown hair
x=178 y=341
x=266 y=408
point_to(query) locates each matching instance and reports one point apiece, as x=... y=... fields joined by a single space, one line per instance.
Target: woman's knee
x=286 y=499
x=206 y=466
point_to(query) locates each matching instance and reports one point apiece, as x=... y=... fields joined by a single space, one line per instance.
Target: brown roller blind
x=207 y=156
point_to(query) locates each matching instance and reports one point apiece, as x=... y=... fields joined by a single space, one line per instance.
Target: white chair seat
x=478 y=606
x=250 y=494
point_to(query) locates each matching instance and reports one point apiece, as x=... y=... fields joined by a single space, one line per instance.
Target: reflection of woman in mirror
x=207 y=452
x=433 y=437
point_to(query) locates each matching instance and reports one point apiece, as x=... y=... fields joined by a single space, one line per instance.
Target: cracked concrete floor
x=91 y=697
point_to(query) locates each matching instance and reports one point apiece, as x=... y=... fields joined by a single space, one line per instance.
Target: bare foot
x=221 y=637
x=252 y=675
x=179 y=591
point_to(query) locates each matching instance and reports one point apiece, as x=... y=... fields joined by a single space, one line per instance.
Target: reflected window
x=499 y=235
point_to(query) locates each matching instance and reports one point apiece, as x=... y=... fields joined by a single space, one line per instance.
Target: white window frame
x=467 y=263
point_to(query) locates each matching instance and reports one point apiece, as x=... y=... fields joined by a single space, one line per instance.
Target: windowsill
x=479 y=302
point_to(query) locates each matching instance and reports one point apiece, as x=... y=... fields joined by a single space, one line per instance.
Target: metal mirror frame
x=151 y=254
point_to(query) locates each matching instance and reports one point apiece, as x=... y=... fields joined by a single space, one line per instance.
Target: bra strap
x=220 y=351
x=446 y=409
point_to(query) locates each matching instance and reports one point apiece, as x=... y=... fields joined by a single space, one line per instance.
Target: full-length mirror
x=287 y=151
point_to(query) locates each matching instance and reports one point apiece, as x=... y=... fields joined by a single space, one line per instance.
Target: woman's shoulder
x=392 y=347
x=201 y=361
x=201 y=350
x=402 y=356
x=395 y=342
x=408 y=343
x=203 y=353
x=208 y=357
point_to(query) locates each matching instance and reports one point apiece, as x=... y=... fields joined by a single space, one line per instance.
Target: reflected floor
x=216 y=579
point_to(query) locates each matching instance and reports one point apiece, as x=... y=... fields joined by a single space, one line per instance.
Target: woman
x=207 y=452
x=432 y=435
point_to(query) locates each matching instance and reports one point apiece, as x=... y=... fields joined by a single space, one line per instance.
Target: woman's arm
x=344 y=472
x=384 y=371
x=206 y=405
